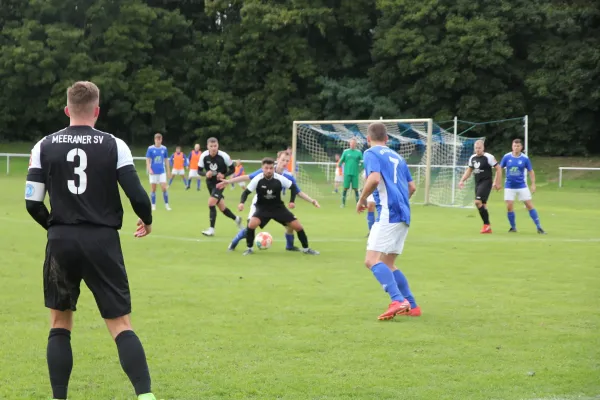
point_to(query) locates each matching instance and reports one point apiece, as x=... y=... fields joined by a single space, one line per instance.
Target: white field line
x=487 y=238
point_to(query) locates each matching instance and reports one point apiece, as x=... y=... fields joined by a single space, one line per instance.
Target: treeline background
x=243 y=70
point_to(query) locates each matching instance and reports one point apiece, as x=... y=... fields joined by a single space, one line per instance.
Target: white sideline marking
x=567 y=398
x=364 y=240
x=488 y=238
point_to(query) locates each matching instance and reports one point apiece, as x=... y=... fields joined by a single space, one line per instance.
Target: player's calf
x=59 y=352
x=296 y=226
x=131 y=354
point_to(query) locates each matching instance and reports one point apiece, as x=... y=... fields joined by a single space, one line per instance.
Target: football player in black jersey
x=215 y=165
x=269 y=187
x=481 y=164
x=81 y=169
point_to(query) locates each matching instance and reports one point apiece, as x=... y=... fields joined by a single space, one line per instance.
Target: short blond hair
x=82 y=98
x=377 y=131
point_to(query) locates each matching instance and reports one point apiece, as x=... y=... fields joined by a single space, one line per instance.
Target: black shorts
x=91 y=253
x=214 y=192
x=482 y=190
x=279 y=214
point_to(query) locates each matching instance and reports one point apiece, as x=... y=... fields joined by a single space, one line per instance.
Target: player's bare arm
x=412 y=188
x=532 y=179
x=225 y=182
x=464 y=178
x=309 y=199
x=148 y=166
x=370 y=185
x=168 y=168
x=498 y=178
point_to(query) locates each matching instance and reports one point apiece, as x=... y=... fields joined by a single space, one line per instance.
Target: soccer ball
x=263 y=240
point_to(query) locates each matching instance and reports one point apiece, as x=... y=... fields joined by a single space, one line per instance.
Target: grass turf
x=506 y=316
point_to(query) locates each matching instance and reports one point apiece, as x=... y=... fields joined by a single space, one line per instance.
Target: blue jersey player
x=391 y=184
x=157 y=165
x=516 y=163
x=283 y=160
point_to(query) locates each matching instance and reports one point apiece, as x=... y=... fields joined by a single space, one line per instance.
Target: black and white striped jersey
x=482 y=166
x=269 y=190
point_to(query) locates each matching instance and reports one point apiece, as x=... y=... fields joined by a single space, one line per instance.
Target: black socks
x=60 y=361
x=133 y=361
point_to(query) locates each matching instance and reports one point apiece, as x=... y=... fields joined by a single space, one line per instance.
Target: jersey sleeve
x=342 y=158
x=503 y=162
x=148 y=154
x=226 y=158
x=491 y=160
x=407 y=173
x=372 y=163
x=35 y=185
x=201 y=161
x=255 y=173
x=470 y=163
x=285 y=182
x=254 y=183
x=124 y=156
x=294 y=182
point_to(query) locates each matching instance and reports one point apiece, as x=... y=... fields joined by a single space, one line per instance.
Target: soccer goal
x=436 y=157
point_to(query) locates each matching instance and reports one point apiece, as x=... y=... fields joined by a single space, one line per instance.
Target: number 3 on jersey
x=396 y=162
x=80 y=170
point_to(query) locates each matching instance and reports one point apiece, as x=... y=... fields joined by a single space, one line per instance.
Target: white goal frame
x=428 y=121
x=561 y=169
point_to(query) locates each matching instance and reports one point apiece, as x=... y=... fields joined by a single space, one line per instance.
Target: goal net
x=436 y=157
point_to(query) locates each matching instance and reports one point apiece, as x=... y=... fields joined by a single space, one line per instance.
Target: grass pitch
x=506 y=316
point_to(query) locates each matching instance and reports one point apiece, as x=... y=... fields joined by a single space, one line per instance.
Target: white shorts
x=178 y=172
x=371 y=198
x=158 y=178
x=523 y=194
x=252 y=210
x=339 y=178
x=387 y=238
x=193 y=173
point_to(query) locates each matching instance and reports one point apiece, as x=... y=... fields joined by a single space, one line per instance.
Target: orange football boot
x=413 y=312
x=394 y=309
x=486 y=229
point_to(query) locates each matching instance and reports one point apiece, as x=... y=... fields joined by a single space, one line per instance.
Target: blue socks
x=386 y=278
x=370 y=219
x=511 y=219
x=404 y=288
x=171 y=180
x=535 y=217
x=532 y=213
x=241 y=235
x=289 y=241
x=165 y=197
x=198 y=185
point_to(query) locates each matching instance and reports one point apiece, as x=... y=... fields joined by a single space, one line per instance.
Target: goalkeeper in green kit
x=351 y=158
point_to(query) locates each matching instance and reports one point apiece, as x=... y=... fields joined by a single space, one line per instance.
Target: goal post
x=436 y=157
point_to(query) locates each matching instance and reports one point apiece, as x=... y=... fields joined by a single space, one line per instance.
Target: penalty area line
x=364 y=240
